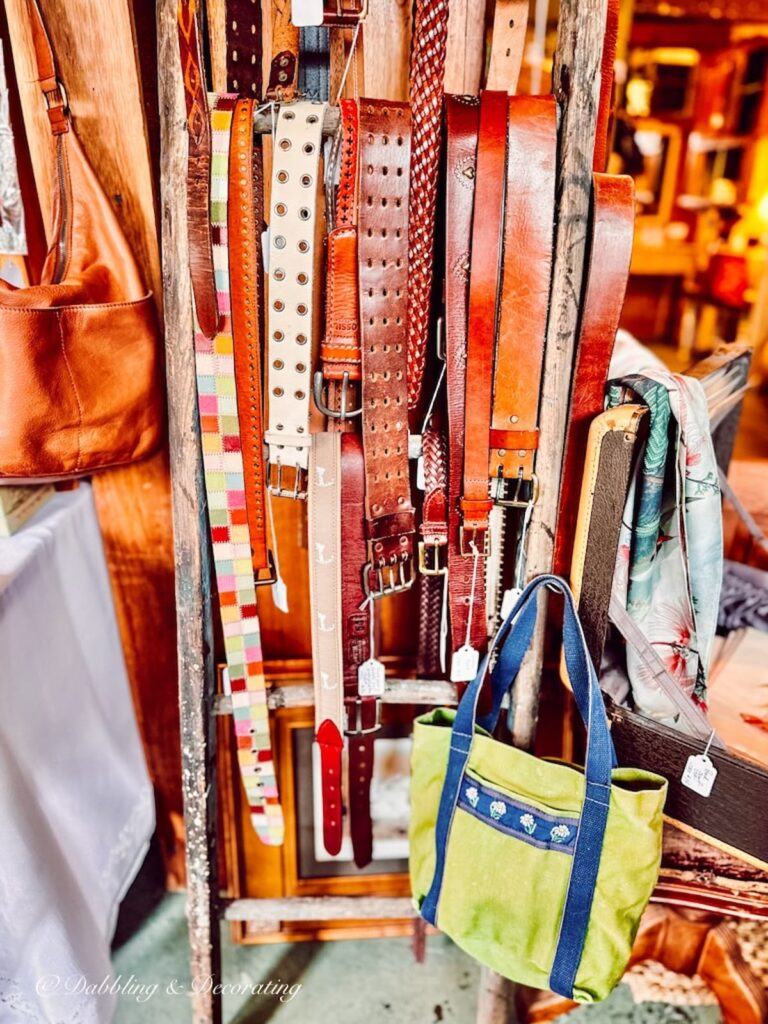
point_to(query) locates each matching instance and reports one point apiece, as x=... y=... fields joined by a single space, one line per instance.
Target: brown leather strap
x=284 y=68
x=47 y=77
x=245 y=208
x=362 y=711
x=433 y=544
x=383 y=278
x=243 y=32
x=610 y=252
x=510 y=22
x=487 y=236
x=344 y=13
x=428 y=48
x=605 y=103
x=462 y=114
x=198 y=169
x=529 y=226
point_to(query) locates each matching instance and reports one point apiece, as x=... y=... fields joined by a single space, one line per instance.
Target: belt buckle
x=429 y=557
x=278 y=490
x=358 y=729
x=265 y=581
x=390 y=579
x=352 y=14
x=498 y=488
x=467 y=548
x=319 y=391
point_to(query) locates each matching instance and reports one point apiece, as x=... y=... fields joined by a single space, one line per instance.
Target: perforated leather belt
x=290 y=320
x=284 y=66
x=243 y=34
x=383 y=278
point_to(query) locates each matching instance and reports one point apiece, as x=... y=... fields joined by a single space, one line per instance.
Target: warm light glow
x=638 y=97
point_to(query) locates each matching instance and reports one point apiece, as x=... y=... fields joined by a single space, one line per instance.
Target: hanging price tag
x=370 y=678
x=464 y=664
x=699 y=774
x=508 y=601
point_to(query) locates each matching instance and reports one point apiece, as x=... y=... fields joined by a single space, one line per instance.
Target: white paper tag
x=464 y=664
x=370 y=678
x=421 y=482
x=306 y=12
x=226 y=685
x=699 y=774
x=265 y=249
x=414 y=446
x=508 y=601
x=279 y=593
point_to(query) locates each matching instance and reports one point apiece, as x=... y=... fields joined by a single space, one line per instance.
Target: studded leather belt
x=384 y=153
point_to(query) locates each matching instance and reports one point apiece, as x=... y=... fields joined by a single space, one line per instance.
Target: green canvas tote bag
x=536 y=868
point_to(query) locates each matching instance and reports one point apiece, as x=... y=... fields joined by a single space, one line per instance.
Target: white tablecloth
x=76 y=807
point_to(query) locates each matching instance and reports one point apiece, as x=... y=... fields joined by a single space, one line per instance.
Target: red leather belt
x=383 y=280
x=363 y=708
x=528 y=238
x=605 y=102
x=486 y=263
x=243 y=31
x=462 y=114
x=610 y=252
x=198 y=168
x=428 y=49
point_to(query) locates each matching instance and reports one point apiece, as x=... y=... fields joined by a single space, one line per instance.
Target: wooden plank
x=193 y=595
x=465 y=54
x=576 y=86
x=397 y=691
x=388 y=32
x=320 y=908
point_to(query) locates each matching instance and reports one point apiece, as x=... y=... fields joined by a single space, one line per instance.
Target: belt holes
x=301 y=339
x=278 y=392
x=302 y=278
x=385 y=171
x=282 y=177
x=399 y=172
x=281 y=209
x=301 y=368
x=278 y=364
x=300 y=395
x=383 y=201
x=301 y=309
x=303 y=245
x=305 y=213
x=312 y=119
x=279 y=242
x=279 y=305
x=308 y=148
x=285 y=145
x=278 y=335
x=306 y=180
x=278 y=273
x=289 y=115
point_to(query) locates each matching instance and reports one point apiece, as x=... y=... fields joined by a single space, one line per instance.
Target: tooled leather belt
x=290 y=319
x=610 y=252
x=383 y=281
x=225 y=491
x=467 y=619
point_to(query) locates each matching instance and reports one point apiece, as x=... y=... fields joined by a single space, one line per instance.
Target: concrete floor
x=366 y=982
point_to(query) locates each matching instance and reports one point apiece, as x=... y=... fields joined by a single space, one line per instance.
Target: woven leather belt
x=383 y=280
x=528 y=240
x=462 y=114
x=198 y=168
x=243 y=32
x=428 y=49
x=610 y=252
x=487 y=237
x=325 y=577
x=225 y=491
x=290 y=321
x=362 y=706
x=433 y=561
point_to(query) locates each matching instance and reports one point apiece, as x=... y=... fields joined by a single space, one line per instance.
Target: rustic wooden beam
x=320 y=908
x=397 y=691
x=193 y=581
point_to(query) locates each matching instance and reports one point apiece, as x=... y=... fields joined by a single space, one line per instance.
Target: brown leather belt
x=605 y=103
x=283 y=81
x=244 y=232
x=610 y=252
x=433 y=562
x=198 y=168
x=528 y=239
x=363 y=709
x=428 y=48
x=510 y=22
x=487 y=238
x=462 y=113
x=383 y=280
x=243 y=32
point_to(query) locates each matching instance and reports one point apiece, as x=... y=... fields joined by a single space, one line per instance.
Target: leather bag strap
x=383 y=280
x=462 y=114
x=47 y=74
x=528 y=240
x=428 y=50
x=198 y=168
x=225 y=492
x=487 y=239
x=325 y=575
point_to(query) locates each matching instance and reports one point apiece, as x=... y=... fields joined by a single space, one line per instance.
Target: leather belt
x=362 y=706
x=605 y=102
x=225 y=491
x=244 y=233
x=510 y=23
x=462 y=114
x=528 y=241
x=284 y=67
x=325 y=568
x=383 y=280
x=314 y=67
x=243 y=32
x=340 y=350
x=428 y=49
x=487 y=237
x=610 y=253
x=433 y=561
x=290 y=321
x=198 y=168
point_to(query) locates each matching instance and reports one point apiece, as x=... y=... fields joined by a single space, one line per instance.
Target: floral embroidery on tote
x=529 y=823
x=559 y=833
x=498 y=809
x=472 y=795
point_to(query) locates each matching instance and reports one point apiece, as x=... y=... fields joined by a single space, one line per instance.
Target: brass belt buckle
x=358 y=729
x=337 y=13
x=430 y=561
x=468 y=544
x=319 y=392
x=276 y=487
x=390 y=579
